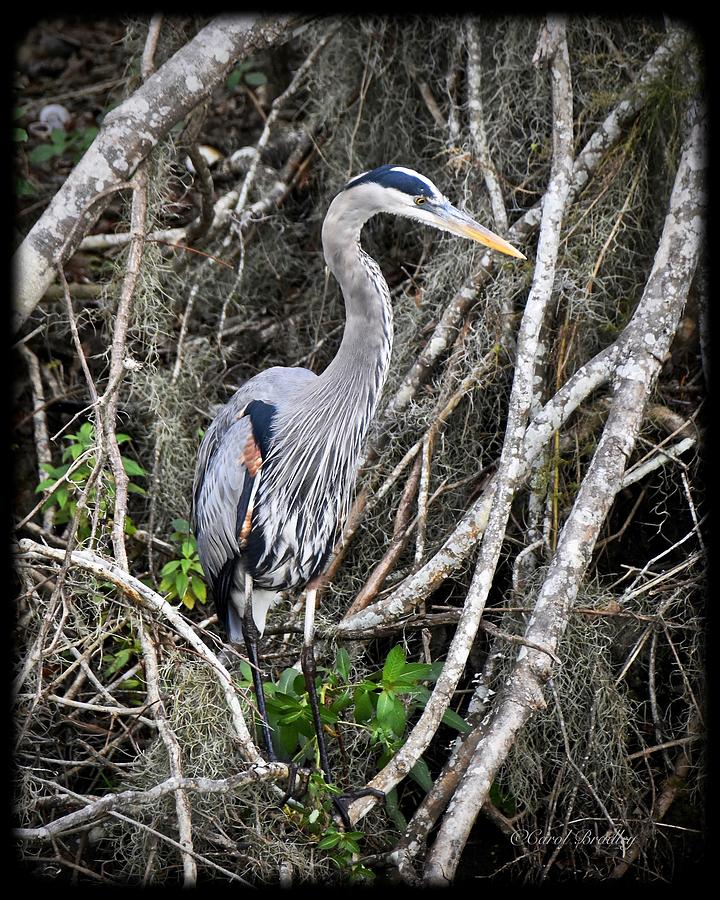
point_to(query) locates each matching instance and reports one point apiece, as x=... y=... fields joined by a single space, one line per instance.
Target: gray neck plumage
x=317 y=457
x=356 y=375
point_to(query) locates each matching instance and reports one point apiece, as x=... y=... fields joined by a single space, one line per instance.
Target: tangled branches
x=530 y=514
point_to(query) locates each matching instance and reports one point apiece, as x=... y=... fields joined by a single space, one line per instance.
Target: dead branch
x=507 y=480
x=128 y=135
x=653 y=327
x=97 y=808
x=143 y=596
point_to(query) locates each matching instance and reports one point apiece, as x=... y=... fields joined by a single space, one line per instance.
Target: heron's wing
x=228 y=473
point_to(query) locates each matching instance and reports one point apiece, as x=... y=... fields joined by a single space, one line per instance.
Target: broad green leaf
x=329 y=841
x=42 y=153
x=342 y=663
x=455 y=721
x=170 y=567
x=132 y=468
x=181 y=584
x=415 y=672
x=199 y=589
x=421 y=774
x=385 y=705
x=394 y=664
x=286 y=680
x=255 y=79
x=363 y=706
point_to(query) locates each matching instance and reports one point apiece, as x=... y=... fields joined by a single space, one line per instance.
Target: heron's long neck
x=356 y=375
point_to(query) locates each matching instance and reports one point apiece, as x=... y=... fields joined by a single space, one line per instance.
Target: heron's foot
x=291 y=784
x=342 y=803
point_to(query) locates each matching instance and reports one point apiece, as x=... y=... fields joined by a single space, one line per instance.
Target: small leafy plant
x=66 y=481
x=380 y=704
x=247 y=73
x=182 y=577
x=63 y=143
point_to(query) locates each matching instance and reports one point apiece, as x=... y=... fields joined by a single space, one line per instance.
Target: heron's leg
x=307 y=660
x=252 y=634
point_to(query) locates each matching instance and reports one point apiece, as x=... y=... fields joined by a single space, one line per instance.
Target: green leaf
x=394 y=664
x=188 y=548
x=455 y=721
x=61 y=497
x=19 y=135
x=181 y=525
x=287 y=737
x=170 y=567
x=421 y=775
x=255 y=79
x=392 y=808
x=233 y=79
x=363 y=706
x=42 y=153
x=181 y=584
x=24 y=188
x=415 y=672
x=385 y=704
x=342 y=663
x=286 y=681
x=135 y=488
x=199 y=589
x=185 y=565
x=132 y=468
x=246 y=671
x=329 y=841
x=122 y=438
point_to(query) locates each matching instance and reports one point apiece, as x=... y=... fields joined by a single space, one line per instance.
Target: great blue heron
x=277 y=466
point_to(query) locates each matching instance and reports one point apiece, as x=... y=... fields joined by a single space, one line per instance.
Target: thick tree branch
x=128 y=135
x=509 y=468
x=653 y=327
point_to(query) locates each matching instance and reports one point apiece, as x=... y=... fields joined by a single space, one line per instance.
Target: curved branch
x=652 y=328
x=128 y=135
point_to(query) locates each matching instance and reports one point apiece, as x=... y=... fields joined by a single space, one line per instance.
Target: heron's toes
x=342 y=803
x=291 y=784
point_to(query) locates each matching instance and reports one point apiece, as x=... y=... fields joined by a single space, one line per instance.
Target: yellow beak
x=460 y=223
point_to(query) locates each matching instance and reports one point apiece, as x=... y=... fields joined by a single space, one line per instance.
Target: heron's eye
x=419 y=201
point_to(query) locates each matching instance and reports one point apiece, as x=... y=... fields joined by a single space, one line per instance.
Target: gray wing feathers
x=219 y=482
x=220 y=474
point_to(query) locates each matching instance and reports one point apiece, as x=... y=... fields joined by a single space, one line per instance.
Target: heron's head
x=403 y=192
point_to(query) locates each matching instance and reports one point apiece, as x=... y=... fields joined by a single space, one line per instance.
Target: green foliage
x=182 y=577
x=315 y=819
x=62 y=143
x=127 y=651
x=245 y=72
x=65 y=485
x=380 y=704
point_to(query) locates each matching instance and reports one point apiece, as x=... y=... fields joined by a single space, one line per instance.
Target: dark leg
x=307 y=660
x=252 y=634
